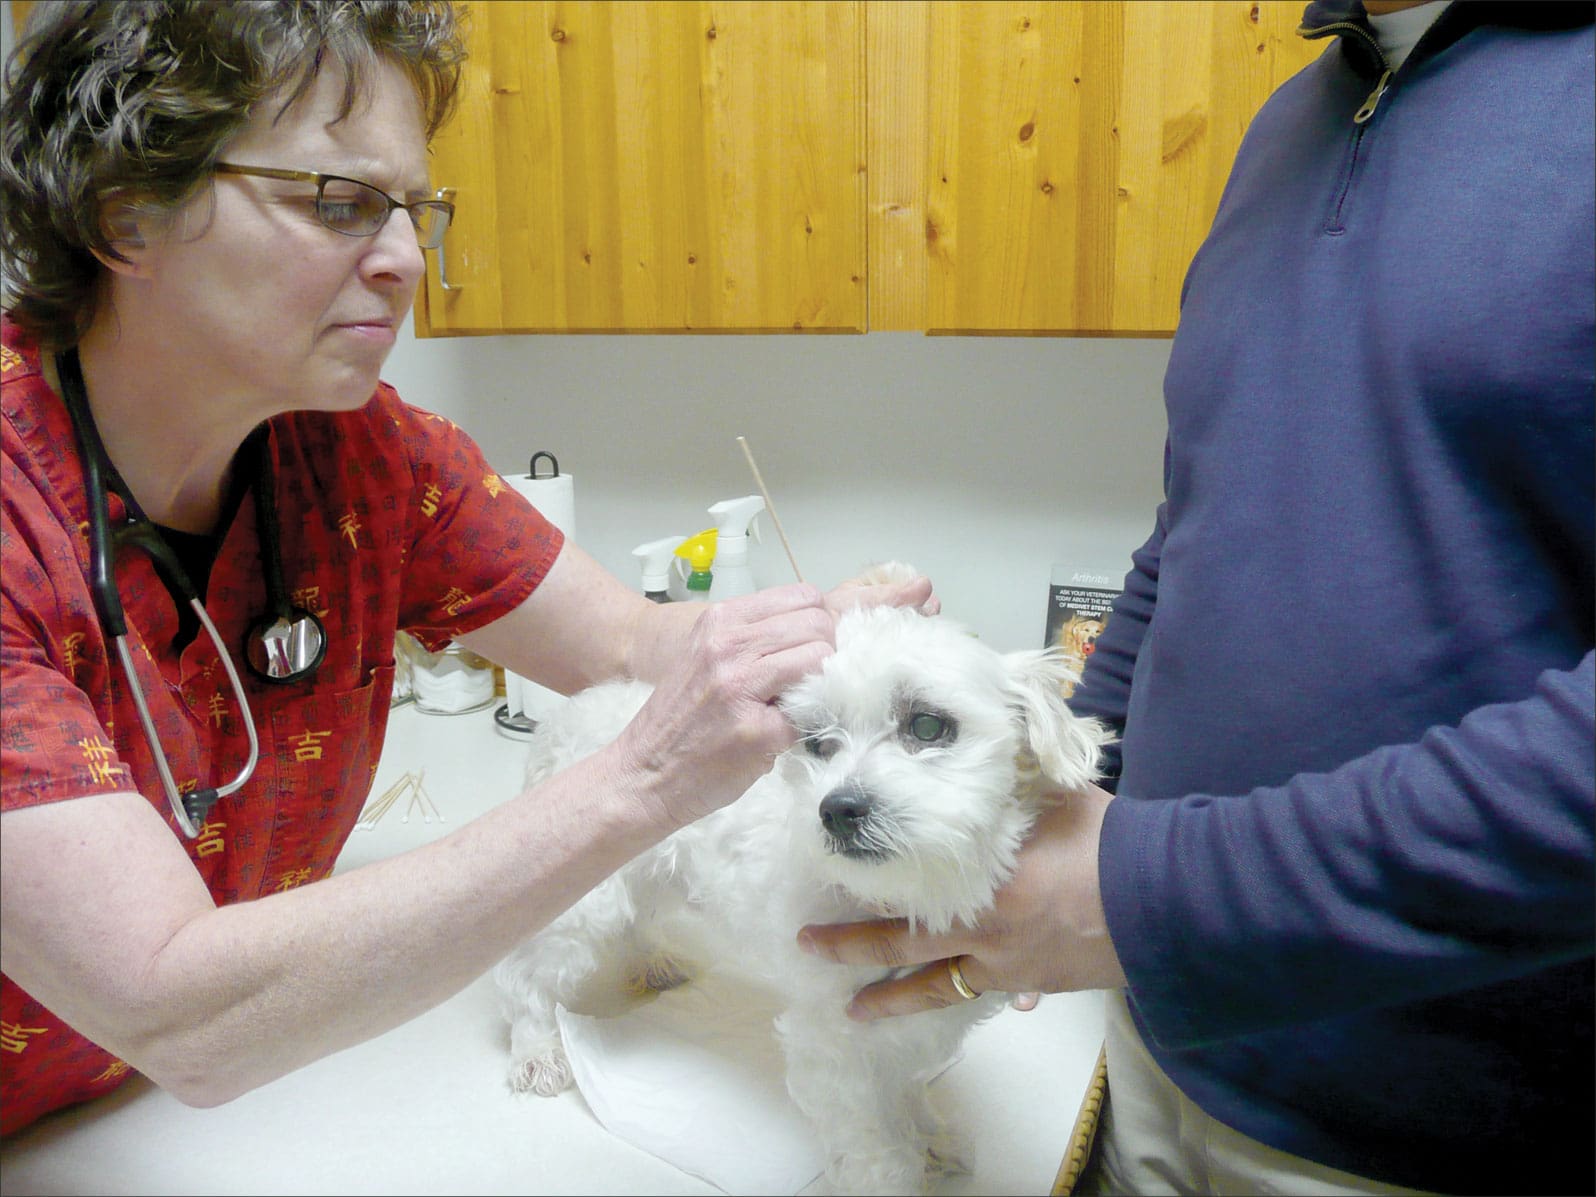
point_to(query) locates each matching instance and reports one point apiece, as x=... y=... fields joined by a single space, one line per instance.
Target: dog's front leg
x=532 y=980
x=585 y=958
x=862 y=1087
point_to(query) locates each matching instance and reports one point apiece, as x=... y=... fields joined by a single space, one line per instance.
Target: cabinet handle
x=445 y=193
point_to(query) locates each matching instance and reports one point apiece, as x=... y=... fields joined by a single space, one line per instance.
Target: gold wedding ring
x=956 y=975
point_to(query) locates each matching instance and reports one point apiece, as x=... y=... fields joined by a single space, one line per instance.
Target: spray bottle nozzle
x=734 y=518
x=655 y=558
x=699 y=553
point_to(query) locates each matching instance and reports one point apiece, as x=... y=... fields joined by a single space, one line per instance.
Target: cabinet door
x=1073 y=155
x=655 y=166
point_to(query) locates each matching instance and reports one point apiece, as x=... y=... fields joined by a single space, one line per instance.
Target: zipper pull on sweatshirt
x=1363 y=114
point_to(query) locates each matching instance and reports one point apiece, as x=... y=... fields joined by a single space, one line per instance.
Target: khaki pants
x=1152 y=1140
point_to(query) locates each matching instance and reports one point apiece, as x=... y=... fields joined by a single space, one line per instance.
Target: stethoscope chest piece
x=283 y=649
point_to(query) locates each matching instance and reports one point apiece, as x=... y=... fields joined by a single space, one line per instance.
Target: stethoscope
x=284 y=646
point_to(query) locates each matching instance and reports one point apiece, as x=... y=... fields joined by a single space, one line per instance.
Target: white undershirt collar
x=1400 y=31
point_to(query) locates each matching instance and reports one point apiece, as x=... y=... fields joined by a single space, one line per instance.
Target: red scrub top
x=390 y=518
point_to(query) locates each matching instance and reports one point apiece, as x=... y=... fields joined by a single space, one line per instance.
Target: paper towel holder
x=510 y=717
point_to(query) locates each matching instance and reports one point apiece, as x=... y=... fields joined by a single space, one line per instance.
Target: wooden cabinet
x=833 y=165
x=1053 y=167
x=656 y=166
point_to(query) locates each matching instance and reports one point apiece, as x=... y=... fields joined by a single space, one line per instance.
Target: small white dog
x=922 y=766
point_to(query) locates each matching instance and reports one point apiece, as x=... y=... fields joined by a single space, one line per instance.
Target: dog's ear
x=1066 y=745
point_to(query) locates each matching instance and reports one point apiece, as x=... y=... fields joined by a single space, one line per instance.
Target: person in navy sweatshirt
x=1344 y=897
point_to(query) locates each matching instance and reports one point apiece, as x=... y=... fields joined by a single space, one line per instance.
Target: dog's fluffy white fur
x=923 y=764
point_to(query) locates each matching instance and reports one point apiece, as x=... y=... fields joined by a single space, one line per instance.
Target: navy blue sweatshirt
x=1350 y=868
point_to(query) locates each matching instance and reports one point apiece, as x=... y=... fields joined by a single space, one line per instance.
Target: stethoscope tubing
x=102 y=577
x=189 y=810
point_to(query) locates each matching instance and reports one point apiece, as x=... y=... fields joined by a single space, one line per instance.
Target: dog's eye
x=928 y=728
x=822 y=747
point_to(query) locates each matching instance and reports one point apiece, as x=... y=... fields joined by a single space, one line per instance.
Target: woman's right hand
x=712 y=727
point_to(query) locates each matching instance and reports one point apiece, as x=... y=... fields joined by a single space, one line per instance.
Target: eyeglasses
x=358 y=209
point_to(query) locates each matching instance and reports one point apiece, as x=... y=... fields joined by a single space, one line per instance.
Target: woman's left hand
x=891 y=586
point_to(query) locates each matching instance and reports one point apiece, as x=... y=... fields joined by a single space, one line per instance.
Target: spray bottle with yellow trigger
x=734 y=524
x=699 y=553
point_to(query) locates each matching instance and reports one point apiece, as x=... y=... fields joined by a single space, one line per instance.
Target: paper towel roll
x=554 y=495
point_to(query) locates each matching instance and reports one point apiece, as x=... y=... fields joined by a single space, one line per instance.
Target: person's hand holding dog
x=1045 y=933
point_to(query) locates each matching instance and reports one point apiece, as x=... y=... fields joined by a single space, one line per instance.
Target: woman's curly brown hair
x=135 y=101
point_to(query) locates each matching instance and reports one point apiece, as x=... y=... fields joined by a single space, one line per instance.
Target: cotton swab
x=770 y=507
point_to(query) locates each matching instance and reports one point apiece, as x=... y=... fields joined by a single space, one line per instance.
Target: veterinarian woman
x=214 y=221
x=1347 y=881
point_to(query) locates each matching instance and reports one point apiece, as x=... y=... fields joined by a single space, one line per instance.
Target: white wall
x=982 y=460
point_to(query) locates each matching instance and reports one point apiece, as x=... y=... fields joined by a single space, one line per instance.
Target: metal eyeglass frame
x=431 y=239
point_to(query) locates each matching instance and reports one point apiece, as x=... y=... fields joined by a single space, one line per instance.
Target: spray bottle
x=699 y=553
x=734 y=522
x=655 y=559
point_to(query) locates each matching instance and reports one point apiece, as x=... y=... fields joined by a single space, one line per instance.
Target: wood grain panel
x=896 y=32
x=1076 y=154
x=657 y=166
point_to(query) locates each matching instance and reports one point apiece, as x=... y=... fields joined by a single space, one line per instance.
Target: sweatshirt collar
x=1348 y=20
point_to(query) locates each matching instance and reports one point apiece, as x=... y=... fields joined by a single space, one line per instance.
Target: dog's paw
x=546 y=1072
x=660 y=974
x=945 y=1156
x=890 y=1173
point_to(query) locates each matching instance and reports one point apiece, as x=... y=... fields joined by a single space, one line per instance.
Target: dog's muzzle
x=845 y=813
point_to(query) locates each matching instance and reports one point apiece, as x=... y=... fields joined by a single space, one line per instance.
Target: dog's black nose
x=843 y=811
